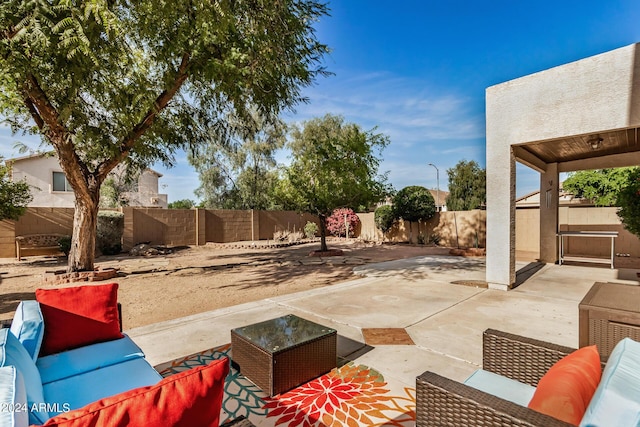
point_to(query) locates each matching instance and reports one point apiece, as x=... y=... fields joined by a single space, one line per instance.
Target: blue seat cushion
x=502 y=387
x=28 y=326
x=80 y=390
x=616 y=401
x=13 y=398
x=12 y=353
x=80 y=360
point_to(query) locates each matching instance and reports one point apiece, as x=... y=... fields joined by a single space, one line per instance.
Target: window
x=60 y=182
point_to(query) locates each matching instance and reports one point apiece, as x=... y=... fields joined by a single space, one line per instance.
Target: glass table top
x=276 y=335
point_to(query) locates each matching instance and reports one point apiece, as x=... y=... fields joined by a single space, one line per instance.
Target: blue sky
x=418 y=71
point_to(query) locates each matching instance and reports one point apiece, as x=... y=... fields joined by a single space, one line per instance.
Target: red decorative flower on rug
x=352 y=395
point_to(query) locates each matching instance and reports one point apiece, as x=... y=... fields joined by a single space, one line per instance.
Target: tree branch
x=147 y=121
x=47 y=118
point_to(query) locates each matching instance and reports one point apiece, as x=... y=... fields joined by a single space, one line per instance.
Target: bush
x=310 y=229
x=384 y=218
x=109 y=232
x=336 y=222
x=629 y=203
x=64 y=243
x=414 y=203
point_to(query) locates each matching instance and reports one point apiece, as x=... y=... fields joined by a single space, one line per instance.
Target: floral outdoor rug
x=351 y=395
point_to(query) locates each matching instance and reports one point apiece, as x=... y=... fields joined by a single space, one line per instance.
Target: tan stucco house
x=50 y=187
x=581 y=115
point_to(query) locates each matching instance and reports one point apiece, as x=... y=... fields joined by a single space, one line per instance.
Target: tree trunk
x=85 y=219
x=323 y=233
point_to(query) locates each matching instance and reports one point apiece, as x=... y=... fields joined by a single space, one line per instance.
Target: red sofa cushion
x=190 y=398
x=565 y=391
x=78 y=316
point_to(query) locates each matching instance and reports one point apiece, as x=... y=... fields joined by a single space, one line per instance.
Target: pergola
x=581 y=115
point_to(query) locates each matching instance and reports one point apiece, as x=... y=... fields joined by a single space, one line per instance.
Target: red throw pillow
x=190 y=398
x=565 y=391
x=78 y=316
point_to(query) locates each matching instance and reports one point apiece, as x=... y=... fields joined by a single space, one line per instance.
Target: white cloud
x=408 y=110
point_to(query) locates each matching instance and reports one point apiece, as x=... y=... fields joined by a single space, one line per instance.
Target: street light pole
x=438 y=187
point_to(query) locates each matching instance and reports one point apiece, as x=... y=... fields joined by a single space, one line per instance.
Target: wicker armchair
x=444 y=402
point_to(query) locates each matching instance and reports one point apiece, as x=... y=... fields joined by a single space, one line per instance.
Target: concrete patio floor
x=444 y=320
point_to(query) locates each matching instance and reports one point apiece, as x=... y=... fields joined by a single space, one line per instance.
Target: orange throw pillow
x=565 y=391
x=190 y=398
x=78 y=316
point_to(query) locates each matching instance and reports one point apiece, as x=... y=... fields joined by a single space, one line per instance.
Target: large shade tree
x=110 y=81
x=602 y=186
x=334 y=165
x=467 y=186
x=239 y=171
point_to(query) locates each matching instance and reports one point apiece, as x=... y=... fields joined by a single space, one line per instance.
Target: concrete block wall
x=7 y=239
x=453 y=229
x=223 y=226
x=34 y=221
x=596 y=219
x=172 y=227
x=197 y=226
x=272 y=221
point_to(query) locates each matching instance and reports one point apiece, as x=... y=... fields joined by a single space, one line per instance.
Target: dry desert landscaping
x=191 y=280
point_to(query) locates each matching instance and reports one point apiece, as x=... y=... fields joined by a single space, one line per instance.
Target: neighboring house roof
x=532 y=200
x=443 y=197
x=52 y=154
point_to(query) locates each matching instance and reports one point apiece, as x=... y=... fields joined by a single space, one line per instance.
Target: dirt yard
x=197 y=279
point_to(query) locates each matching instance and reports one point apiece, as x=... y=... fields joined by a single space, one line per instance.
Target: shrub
x=421 y=239
x=336 y=222
x=384 y=218
x=629 y=203
x=310 y=229
x=414 y=203
x=64 y=243
x=109 y=232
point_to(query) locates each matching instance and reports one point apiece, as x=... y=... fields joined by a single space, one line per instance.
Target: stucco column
x=501 y=216
x=549 y=214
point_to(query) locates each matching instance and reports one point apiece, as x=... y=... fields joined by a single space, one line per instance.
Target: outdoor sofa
x=65 y=362
x=513 y=366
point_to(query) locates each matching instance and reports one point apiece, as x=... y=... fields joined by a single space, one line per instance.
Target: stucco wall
x=38 y=173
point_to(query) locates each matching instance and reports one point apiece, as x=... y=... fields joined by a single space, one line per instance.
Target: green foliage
x=336 y=222
x=105 y=81
x=120 y=181
x=182 y=204
x=310 y=229
x=109 y=232
x=237 y=168
x=334 y=164
x=14 y=196
x=467 y=186
x=601 y=186
x=414 y=203
x=64 y=243
x=421 y=239
x=384 y=218
x=628 y=200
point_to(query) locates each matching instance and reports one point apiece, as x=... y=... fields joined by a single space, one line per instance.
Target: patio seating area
x=428 y=299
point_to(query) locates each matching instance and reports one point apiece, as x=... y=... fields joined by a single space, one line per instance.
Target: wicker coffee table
x=280 y=354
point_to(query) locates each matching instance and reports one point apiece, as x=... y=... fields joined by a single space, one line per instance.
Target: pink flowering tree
x=339 y=219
